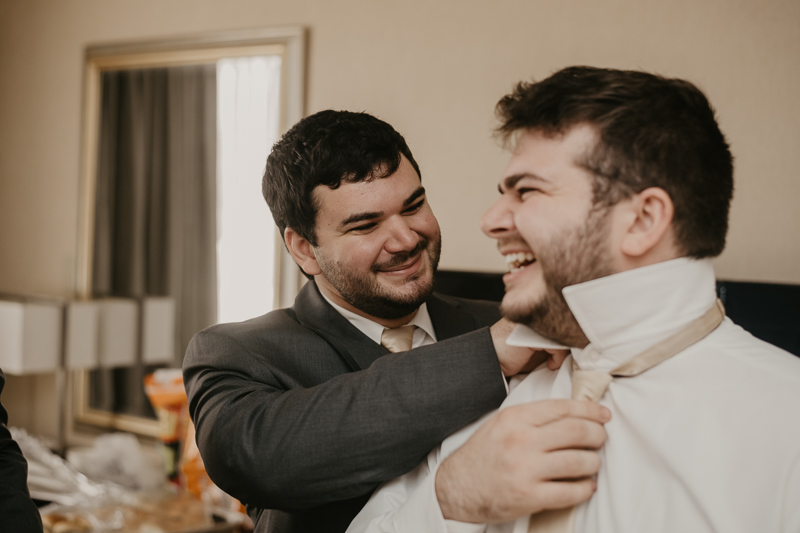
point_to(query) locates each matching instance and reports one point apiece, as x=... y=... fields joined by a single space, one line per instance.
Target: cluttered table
x=121 y=486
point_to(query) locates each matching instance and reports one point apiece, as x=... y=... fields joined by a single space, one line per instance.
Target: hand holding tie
x=591 y=385
x=518 y=461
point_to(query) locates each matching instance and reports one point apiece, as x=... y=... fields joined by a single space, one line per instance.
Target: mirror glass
x=176 y=138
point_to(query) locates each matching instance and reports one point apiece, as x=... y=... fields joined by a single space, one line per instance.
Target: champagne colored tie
x=590 y=385
x=398 y=339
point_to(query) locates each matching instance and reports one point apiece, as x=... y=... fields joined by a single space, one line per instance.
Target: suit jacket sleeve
x=17 y=510
x=280 y=426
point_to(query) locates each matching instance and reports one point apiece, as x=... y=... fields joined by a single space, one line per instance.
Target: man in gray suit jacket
x=302 y=413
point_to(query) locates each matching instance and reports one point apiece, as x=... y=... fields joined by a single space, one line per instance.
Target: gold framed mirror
x=286 y=46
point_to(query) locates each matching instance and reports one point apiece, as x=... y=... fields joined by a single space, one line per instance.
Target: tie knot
x=589 y=385
x=397 y=339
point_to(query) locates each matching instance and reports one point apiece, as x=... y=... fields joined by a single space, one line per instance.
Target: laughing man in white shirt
x=615 y=198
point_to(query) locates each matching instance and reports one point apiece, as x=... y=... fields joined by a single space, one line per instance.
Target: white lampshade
x=30 y=337
x=158 y=333
x=119 y=320
x=82 y=334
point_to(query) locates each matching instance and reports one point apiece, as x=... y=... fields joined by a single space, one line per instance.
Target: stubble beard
x=368 y=295
x=574 y=256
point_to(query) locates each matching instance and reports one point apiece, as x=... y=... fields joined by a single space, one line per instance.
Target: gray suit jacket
x=300 y=416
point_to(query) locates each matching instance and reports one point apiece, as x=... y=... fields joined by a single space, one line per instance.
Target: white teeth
x=518 y=259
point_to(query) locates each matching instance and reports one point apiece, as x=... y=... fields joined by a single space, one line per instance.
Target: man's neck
x=336 y=298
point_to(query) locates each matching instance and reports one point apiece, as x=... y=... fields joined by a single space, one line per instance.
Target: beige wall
x=434 y=69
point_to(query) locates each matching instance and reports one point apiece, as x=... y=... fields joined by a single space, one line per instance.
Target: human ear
x=648 y=231
x=302 y=252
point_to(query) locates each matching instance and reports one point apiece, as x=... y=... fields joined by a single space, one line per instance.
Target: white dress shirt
x=423 y=335
x=707 y=441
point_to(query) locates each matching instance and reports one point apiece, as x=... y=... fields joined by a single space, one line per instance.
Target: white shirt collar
x=373 y=330
x=626 y=313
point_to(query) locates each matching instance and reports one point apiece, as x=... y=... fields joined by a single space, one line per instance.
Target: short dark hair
x=651 y=132
x=327 y=148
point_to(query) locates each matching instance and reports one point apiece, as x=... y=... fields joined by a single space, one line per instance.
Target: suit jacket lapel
x=314 y=312
x=358 y=350
x=449 y=320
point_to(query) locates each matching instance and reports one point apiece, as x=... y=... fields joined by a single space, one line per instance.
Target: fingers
x=567 y=465
x=525 y=458
x=537 y=358
x=561 y=494
x=556 y=358
x=547 y=411
x=571 y=433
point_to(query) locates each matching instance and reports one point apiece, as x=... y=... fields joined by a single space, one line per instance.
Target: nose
x=498 y=220
x=402 y=238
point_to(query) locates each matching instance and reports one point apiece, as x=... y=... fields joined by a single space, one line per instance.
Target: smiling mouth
x=403 y=266
x=403 y=261
x=519 y=260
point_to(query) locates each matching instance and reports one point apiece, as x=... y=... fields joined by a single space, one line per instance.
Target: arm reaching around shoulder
x=525 y=459
x=285 y=428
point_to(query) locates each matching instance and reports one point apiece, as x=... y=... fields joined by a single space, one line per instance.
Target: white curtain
x=248 y=107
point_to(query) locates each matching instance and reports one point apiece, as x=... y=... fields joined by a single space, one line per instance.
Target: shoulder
x=753 y=385
x=738 y=366
x=260 y=337
x=270 y=323
x=761 y=357
x=733 y=339
x=274 y=349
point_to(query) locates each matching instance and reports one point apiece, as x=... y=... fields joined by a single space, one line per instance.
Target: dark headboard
x=770 y=311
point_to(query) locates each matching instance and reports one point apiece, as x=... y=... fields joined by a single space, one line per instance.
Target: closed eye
x=363 y=227
x=524 y=192
x=410 y=210
x=523 y=185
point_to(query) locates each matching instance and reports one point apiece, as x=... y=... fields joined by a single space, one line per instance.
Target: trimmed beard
x=366 y=294
x=571 y=257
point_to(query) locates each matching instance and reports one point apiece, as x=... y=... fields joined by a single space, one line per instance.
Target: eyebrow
x=414 y=195
x=369 y=215
x=512 y=180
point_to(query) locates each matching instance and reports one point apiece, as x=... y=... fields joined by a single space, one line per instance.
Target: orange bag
x=165 y=391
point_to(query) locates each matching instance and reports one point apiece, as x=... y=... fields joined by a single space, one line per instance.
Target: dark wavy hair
x=327 y=148
x=651 y=132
